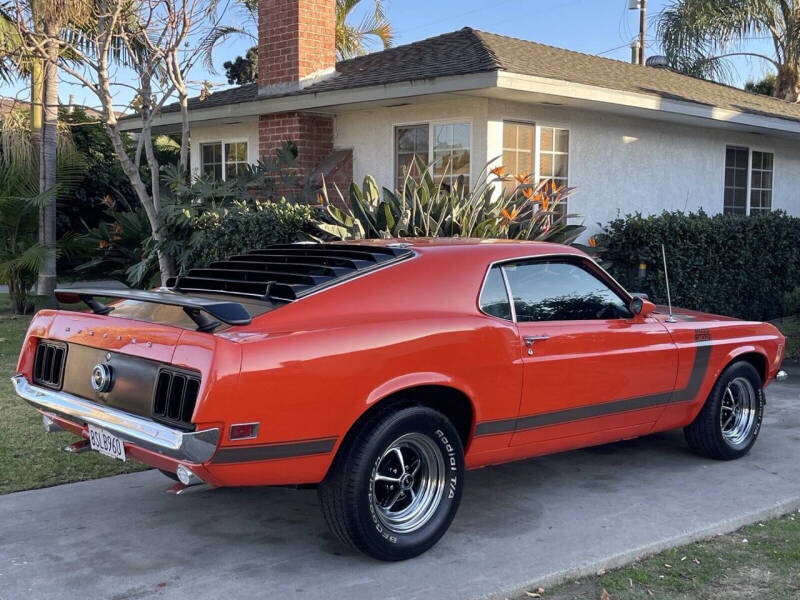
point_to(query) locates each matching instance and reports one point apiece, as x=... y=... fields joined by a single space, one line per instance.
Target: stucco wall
x=201 y=133
x=618 y=165
x=623 y=165
x=370 y=133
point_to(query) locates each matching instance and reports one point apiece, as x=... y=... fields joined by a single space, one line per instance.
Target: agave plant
x=425 y=207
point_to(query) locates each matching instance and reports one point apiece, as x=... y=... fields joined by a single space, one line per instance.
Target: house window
x=547 y=160
x=451 y=152
x=739 y=161
x=410 y=142
x=518 y=152
x=235 y=158
x=212 y=160
x=222 y=160
x=553 y=155
x=761 y=182
x=446 y=145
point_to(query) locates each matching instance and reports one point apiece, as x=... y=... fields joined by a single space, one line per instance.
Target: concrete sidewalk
x=523 y=524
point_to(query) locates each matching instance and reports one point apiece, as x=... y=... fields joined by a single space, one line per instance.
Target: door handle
x=530 y=340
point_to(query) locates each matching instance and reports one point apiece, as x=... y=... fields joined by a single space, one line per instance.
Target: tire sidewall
x=389 y=544
x=748 y=372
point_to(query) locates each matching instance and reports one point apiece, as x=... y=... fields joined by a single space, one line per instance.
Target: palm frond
x=697 y=35
x=354 y=40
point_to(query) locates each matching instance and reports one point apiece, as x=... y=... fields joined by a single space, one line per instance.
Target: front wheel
x=394 y=490
x=728 y=424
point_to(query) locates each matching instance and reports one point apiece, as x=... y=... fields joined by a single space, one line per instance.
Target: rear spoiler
x=198 y=309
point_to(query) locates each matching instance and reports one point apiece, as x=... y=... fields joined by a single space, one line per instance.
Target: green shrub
x=791 y=302
x=733 y=265
x=242 y=226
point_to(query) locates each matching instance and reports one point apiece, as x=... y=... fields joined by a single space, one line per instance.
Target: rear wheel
x=728 y=425
x=394 y=490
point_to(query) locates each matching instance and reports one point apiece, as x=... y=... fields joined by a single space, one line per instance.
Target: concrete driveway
x=523 y=524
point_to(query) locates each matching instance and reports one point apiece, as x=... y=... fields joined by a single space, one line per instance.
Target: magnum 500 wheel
x=394 y=490
x=729 y=422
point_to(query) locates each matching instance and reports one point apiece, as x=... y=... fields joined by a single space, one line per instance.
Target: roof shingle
x=469 y=51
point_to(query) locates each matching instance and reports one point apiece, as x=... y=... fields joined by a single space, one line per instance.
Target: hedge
x=732 y=265
x=242 y=226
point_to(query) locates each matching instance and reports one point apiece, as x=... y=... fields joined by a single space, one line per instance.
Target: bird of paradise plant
x=427 y=206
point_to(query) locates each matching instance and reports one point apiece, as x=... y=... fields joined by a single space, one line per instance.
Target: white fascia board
x=646 y=102
x=310 y=101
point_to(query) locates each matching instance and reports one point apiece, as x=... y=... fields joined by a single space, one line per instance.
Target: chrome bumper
x=191 y=446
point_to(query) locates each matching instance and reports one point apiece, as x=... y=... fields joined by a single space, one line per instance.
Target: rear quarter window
x=494 y=298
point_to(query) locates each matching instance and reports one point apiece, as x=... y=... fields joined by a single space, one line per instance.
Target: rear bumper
x=190 y=446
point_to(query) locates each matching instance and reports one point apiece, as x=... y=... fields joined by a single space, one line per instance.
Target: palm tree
x=351 y=40
x=699 y=35
x=21 y=256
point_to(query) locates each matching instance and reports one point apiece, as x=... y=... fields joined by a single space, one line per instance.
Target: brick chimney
x=296 y=48
x=296 y=43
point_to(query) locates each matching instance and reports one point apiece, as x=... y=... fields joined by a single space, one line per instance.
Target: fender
x=721 y=365
x=412 y=380
x=739 y=351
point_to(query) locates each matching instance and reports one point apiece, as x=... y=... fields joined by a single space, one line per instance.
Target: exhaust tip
x=50 y=426
x=187 y=477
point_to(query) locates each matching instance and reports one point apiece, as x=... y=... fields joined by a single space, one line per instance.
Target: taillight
x=48 y=364
x=175 y=397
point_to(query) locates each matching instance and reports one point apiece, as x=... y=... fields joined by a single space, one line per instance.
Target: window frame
x=431 y=123
x=583 y=262
x=534 y=149
x=222 y=142
x=396 y=154
x=749 y=191
x=537 y=147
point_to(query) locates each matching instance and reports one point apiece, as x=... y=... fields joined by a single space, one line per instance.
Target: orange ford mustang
x=380 y=371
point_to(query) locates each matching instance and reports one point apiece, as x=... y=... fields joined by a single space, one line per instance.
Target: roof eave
x=600 y=98
x=319 y=100
x=643 y=104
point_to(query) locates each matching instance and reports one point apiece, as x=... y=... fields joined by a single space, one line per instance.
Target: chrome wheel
x=408 y=482
x=739 y=411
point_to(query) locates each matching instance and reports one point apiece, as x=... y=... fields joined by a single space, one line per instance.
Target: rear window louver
x=48 y=364
x=175 y=397
x=285 y=272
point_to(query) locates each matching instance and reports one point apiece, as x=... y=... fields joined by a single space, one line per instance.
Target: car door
x=589 y=364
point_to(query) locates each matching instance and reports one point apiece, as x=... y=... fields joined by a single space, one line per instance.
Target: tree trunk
x=36 y=103
x=47 y=167
x=184 y=156
x=787 y=83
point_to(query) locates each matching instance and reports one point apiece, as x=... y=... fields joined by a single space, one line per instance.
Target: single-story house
x=628 y=137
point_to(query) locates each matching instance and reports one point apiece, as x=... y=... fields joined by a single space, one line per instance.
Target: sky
x=601 y=27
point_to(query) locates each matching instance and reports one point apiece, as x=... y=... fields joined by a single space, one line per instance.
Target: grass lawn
x=30 y=458
x=760 y=561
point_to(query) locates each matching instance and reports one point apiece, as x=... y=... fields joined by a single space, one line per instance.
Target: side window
x=561 y=291
x=494 y=299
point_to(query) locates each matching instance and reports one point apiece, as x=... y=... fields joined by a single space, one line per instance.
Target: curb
x=624 y=558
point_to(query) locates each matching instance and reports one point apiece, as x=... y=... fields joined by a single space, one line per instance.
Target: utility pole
x=641 y=6
x=642 y=29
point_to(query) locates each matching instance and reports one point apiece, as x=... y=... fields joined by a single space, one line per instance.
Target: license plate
x=106 y=443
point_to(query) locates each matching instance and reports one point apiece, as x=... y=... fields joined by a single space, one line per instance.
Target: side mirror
x=641 y=307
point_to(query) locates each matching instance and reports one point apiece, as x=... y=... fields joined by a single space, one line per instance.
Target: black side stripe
x=273 y=451
x=699 y=368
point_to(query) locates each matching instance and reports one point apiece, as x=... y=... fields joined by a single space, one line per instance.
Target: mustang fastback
x=379 y=371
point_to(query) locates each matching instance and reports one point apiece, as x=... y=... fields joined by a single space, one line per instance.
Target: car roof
x=495 y=249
